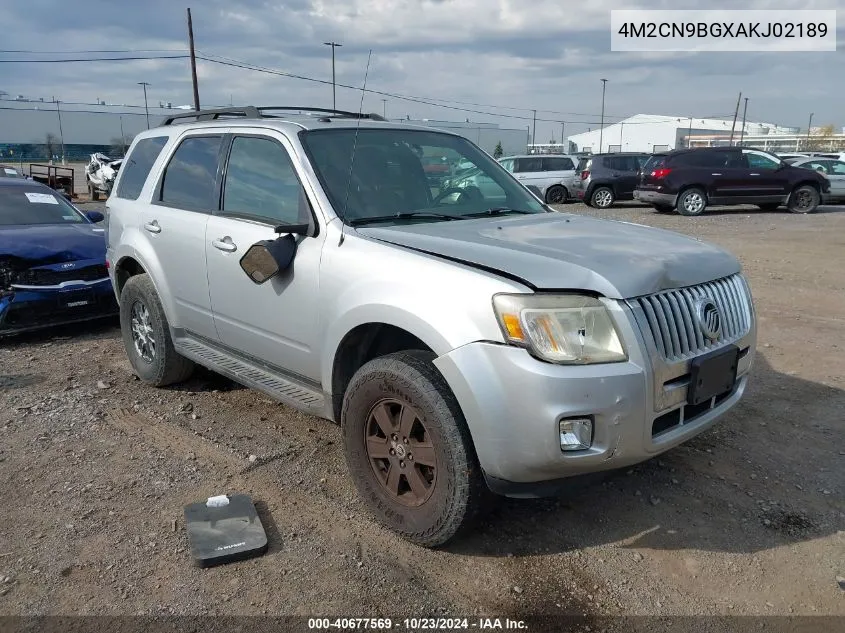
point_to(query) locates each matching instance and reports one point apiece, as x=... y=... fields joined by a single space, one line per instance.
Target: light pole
x=742 y=131
x=601 y=129
x=534 y=130
x=809 y=127
x=384 y=108
x=334 y=45
x=146 y=108
x=562 y=128
x=122 y=137
x=621 y=130
x=61 y=134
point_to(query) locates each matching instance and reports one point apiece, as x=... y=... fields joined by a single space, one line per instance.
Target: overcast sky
x=543 y=54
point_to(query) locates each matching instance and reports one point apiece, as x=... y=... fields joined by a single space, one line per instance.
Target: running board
x=252 y=373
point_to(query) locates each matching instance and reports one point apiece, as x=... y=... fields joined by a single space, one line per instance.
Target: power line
x=89 y=59
x=87 y=52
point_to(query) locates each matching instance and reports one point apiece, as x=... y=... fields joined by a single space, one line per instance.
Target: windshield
x=31 y=205
x=421 y=175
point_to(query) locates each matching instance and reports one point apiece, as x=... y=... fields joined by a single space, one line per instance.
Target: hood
x=52 y=243
x=561 y=251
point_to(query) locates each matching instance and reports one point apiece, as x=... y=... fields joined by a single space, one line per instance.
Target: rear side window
x=622 y=163
x=584 y=164
x=527 y=165
x=137 y=166
x=190 y=176
x=557 y=164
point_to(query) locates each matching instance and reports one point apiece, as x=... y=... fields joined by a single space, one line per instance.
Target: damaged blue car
x=52 y=260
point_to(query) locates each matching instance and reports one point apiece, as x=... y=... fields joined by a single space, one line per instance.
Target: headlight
x=567 y=329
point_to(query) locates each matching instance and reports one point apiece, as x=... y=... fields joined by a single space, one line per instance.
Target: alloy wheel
x=142 y=332
x=400 y=452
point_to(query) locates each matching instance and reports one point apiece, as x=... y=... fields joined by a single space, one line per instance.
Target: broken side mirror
x=266 y=259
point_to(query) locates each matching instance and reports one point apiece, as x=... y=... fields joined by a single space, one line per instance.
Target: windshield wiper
x=402 y=215
x=498 y=211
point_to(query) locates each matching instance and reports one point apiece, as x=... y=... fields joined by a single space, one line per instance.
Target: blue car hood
x=51 y=243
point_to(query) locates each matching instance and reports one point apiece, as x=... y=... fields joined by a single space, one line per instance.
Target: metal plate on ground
x=224 y=533
x=713 y=374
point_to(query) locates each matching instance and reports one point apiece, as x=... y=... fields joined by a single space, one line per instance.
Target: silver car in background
x=830 y=168
x=552 y=175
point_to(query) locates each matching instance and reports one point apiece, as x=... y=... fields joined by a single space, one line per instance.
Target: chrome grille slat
x=671 y=319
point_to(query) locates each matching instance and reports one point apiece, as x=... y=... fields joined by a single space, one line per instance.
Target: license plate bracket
x=713 y=374
x=76 y=299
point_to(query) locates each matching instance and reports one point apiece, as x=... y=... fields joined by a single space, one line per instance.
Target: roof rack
x=252 y=112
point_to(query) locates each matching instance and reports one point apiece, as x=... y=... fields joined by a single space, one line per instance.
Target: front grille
x=671 y=318
x=47 y=277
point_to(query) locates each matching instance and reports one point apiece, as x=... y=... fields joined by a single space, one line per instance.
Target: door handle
x=153 y=227
x=225 y=244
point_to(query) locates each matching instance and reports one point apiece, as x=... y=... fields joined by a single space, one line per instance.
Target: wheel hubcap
x=603 y=198
x=400 y=452
x=803 y=199
x=556 y=196
x=142 y=332
x=693 y=202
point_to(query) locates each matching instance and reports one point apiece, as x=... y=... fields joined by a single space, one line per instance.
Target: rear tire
x=556 y=194
x=804 y=199
x=691 y=202
x=602 y=198
x=146 y=335
x=409 y=451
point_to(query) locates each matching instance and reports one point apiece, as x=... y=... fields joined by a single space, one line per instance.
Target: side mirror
x=95 y=216
x=266 y=259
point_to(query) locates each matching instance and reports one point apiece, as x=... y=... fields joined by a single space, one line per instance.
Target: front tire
x=146 y=335
x=409 y=451
x=556 y=194
x=692 y=202
x=804 y=199
x=602 y=198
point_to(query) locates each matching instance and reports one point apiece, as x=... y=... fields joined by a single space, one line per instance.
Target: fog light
x=576 y=434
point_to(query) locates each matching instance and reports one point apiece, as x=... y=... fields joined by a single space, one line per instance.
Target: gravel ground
x=746 y=519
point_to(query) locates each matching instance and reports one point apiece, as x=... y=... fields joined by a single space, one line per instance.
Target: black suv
x=690 y=179
x=602 y=179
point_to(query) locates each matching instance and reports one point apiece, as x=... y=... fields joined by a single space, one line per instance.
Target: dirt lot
x=747 y=519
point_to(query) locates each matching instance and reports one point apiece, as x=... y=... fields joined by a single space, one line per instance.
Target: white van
x=551 y=174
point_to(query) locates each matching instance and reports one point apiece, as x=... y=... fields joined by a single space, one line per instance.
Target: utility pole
x=61 y=134
x=621 y=130
x=601 y=129
x=689 y=134
x=384 y=108
x=334 y=45
x=122 y=136
x=146 y=108
x=744 y=112
x=534 y=130
x=809 y=127
x=562 y=128
x=736 y=113
x=193 y=63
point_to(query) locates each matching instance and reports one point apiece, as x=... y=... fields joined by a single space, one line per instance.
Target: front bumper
x=655 y=197
x=34 y=309
x=513 y=404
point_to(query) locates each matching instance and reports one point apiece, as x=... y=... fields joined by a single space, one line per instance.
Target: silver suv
x=463 y=345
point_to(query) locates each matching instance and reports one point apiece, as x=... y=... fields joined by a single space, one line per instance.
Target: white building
x=652 y=132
